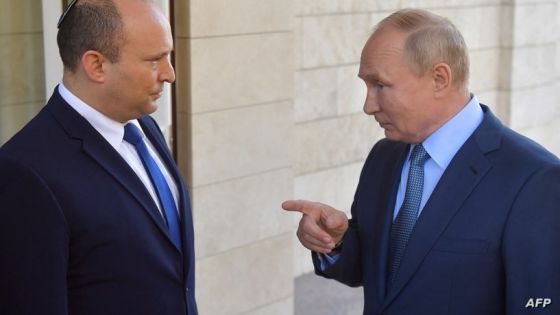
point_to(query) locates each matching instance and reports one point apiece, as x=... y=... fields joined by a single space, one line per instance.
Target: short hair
x=431 y=39
x=90 y=25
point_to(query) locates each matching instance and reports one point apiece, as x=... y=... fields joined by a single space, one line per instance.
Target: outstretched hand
x=321 y=226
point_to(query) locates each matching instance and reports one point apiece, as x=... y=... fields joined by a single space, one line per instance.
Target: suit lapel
x=463 y=174
x=95 y=146
x=384 y=220
x=151 y=131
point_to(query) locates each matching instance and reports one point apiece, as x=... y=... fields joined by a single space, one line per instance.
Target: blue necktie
x=133 y=136
x=406 y=219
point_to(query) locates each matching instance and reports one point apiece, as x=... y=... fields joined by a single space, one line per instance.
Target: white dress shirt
x=113 y=132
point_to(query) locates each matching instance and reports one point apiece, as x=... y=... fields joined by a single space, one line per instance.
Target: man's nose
x=371 y=105
x=167 y=73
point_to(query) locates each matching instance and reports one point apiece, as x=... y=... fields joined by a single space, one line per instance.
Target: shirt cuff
x=327 y=260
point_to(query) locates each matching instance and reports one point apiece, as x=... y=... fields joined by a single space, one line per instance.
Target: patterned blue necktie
x=133 y=136
x=404 y=224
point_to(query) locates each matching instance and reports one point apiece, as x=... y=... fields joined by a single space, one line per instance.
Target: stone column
x=234 y=63
x=22 y=87
x=535 y=71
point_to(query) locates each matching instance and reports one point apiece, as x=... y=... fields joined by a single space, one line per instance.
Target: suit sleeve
x=33 y=244
x=347 y=268
x=531 y=247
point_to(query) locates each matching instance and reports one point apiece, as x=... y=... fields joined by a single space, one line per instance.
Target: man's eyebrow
x=160 y=55
x=369 y=76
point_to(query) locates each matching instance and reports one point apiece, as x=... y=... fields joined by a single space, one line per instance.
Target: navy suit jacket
x=79 y=232
x=486 y=242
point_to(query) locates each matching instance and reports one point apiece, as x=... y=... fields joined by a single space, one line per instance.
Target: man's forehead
x=380 y=53
x=389 y=38
x=384 y=44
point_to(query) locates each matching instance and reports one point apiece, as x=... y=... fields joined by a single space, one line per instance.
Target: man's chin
x=147 y=110
x=391 y=135
x=152 y=108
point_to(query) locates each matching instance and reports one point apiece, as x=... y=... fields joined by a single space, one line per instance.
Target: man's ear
x=442 y=78
x=92 y=63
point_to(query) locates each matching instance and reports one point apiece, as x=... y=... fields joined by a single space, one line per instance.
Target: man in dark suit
x=454 y=213
x=94 y=215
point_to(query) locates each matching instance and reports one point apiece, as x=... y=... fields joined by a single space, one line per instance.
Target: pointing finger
x=303 y=206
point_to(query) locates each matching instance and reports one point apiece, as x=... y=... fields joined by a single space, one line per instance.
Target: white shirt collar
x=111 y=130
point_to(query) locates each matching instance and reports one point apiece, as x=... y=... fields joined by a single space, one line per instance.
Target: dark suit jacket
x=79 y=232
x=486 y=242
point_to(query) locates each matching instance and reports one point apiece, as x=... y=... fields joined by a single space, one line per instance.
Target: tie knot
x=132 y=134
x=419 y=155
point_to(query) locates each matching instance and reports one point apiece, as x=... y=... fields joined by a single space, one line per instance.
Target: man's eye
x=154 y=63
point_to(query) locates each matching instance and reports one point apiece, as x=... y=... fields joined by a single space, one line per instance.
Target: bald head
x=138 y=13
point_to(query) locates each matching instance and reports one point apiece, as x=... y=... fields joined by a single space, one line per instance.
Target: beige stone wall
x=534 y=84
x=22 y=91
x=332 y=134
x=235 y=70
x=269 y=107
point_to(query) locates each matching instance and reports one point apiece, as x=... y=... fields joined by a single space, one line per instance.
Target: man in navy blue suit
x=454 y=213
x=94 y=215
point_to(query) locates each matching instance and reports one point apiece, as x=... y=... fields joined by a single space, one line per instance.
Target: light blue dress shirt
x=442 y=146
